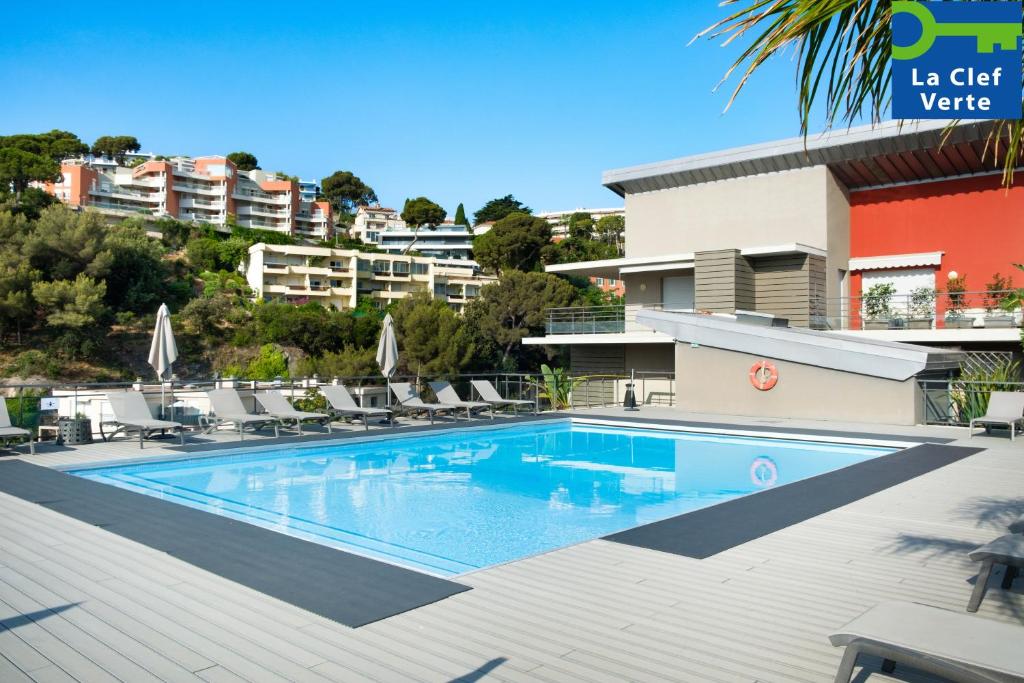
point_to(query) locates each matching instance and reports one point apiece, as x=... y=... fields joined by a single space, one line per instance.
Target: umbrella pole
x=163 y=411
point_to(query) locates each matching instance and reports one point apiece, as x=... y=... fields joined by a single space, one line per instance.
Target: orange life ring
x=763 y=375
x=763 y=472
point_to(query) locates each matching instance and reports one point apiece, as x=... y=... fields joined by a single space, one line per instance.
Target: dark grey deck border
x=346 y=588
x=709 y=531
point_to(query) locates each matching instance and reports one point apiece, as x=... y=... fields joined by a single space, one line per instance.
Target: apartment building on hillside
x=889 y=233
x=202 y=190
x=384 y=227
x=558 y=219
x=339 y=278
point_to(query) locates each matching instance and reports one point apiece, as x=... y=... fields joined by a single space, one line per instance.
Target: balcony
x=254 y=196
x=597 y=319
x=210 y=190
x=121 y=193
x=924 y=310
x=921 y=317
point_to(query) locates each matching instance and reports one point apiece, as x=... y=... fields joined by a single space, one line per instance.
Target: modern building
x=205 y=190
x=309 y=190
x=339 y=278
x=856 y=232
x=384 y=227
x=559 y=229
x=558 y=219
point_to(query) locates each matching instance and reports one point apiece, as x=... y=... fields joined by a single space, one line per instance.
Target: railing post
x=21 y=405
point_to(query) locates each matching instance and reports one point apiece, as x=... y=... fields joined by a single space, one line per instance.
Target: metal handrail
x=589 y=390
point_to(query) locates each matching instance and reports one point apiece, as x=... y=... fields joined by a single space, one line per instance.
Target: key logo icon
x=956 y=60
x=1005 y=36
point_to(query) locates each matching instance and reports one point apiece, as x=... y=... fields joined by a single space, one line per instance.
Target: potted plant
x=956 y=301
x=877 y=310
x=922 y=308
x=997 y=293
x=74 y=430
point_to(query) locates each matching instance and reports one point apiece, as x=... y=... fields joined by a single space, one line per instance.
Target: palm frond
x=843 y=50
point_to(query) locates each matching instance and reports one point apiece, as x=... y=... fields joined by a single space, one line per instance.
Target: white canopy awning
x=931 y=258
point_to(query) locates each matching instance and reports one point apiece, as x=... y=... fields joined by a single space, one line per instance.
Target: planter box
x=999 y=321
x=74 y=430
x=876 y=324
x=959 y=323
x=919 y=324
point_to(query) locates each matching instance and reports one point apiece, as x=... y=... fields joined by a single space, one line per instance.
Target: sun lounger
x=228 y=409
x=1017 y=525
x=410 y=400
x=278 y=406
x=132 y=414
x=9 y=431
x=1004 y=408
x=490 y=394
x=341 y=403
x=1006 y=550
x=446 y=393
x=955 y=646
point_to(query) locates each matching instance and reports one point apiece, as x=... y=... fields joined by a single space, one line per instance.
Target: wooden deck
x=79 y=603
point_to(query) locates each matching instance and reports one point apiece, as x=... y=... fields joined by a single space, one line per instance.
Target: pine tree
x=460 y=216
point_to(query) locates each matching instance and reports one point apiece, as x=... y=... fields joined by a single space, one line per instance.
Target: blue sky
x=458 y=101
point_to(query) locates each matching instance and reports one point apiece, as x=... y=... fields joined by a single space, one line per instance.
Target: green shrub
x=33 y=364
x=269 y=364
x=970 y=394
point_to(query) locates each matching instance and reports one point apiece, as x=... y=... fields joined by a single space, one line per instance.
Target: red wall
x=975 y=221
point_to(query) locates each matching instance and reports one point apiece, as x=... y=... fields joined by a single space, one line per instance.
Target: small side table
x=48 y=429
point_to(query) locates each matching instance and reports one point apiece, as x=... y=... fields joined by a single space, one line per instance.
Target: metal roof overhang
x=889 y=153
x=872 y=357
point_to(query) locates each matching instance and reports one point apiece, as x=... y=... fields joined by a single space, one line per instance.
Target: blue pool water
x=450 y=502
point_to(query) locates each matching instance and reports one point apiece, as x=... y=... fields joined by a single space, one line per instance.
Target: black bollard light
x=629 y=402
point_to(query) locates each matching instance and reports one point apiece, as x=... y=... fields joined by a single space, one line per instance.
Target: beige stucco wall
x=837 y=220
x=808 y=206
x=713 y=380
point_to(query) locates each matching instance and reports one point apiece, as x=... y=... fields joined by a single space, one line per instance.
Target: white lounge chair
x=446 y=393
x=490 y=394
x=132 y=414
x=278 y=406
x=1004 y=408
x=9 y=431
x=228 y=409
x=341 y=403
x=410 y=400
x=955 y=646
x=1006 y=550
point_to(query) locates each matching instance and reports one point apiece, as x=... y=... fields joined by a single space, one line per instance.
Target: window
x=440 y=289
x=612 y=281
x=420 y=268
x=363 y=265
x=400 y=268
x=600 y=280
x=472 y=290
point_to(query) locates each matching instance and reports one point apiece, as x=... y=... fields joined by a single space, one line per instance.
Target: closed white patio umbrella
x=162 y=351
x=387 y=352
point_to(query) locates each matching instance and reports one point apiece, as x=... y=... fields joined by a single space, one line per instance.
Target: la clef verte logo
x=956 y=60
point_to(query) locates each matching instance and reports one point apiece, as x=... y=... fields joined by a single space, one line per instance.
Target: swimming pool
x=452 y=501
